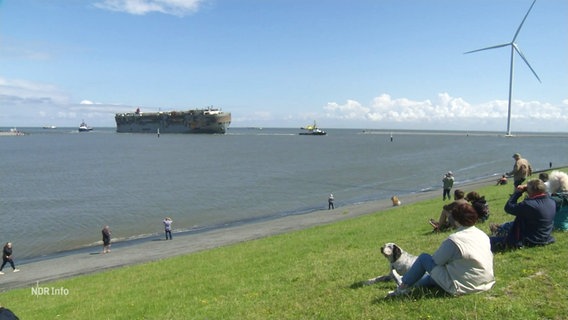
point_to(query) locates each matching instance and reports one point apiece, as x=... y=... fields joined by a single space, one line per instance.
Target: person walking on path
x=7 y=257
x=168 y=227
x=521 y=170
x=106 y=239
x=448 y=182
x=330 y=202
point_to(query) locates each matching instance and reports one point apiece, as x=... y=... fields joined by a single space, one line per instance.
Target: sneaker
x=434 y=224
x=494 y=228
x=398 y=292
x=16 y=270
x=1 y=272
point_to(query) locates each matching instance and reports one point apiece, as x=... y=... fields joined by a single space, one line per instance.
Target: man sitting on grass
x=446 y=221
x=534 y=219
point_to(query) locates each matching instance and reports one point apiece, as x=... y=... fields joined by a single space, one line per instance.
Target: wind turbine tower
x=514 y=48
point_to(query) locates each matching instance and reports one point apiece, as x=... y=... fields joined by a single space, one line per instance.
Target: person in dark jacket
x=534 y=219
x=106 y=239
x=479 y=204
x=7 y=314
x=7 y=257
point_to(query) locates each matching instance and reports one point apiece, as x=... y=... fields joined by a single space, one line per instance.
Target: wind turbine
x=514 y=48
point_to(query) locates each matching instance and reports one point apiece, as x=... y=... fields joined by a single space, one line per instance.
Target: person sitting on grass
x=558 y=189
x=502 y=180
x=446 y=221
x=534 y=219
x=462 y=264
x=479 y=204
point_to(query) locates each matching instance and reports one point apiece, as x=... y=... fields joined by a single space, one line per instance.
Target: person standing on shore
x=448 y=182
x=330 y=200
x=521 y=170
x=7 y=257
x=168 y=227
x=106 y=239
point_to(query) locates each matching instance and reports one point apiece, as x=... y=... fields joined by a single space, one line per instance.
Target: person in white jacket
x=462 y=264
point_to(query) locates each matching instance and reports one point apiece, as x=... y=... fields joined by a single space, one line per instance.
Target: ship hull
x=191 y=121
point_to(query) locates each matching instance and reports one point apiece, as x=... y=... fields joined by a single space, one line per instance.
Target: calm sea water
x=59 y=187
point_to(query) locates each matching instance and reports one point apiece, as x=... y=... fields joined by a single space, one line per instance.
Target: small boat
x=12 y=132
x=49 y=127
x=84 y=127
x=312 y=130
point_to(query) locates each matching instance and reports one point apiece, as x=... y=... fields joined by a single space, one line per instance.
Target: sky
x=369 y=64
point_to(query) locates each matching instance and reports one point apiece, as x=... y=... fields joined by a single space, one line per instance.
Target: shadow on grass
x=416 y=294
x=387 y=286
x=366 y=283
x=359 y=285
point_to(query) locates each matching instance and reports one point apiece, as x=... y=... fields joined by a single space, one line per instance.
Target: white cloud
x=451 y=113
x=17 y=92
x=142 y=7
x=28 y=103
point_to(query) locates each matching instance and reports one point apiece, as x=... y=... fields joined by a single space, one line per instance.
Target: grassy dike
x=310 y=274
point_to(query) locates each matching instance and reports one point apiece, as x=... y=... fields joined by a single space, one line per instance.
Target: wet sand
x=92 y=260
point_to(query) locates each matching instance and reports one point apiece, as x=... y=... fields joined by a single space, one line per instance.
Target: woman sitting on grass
x=558 y=188
x=462 y=264
x=479 y=204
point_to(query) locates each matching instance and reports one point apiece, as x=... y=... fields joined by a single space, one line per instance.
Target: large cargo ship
x=209 y=120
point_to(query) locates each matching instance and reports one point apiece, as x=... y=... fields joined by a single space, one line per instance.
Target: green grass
x=312 y=274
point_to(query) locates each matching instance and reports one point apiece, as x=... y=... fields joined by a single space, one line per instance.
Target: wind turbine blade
x=526 y=61
x=521 y=25
x=493 y=47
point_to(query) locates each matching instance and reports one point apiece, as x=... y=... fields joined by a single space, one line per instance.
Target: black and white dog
x=400 y=261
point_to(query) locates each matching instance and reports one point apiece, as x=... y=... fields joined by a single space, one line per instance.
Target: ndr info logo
x=49 y=291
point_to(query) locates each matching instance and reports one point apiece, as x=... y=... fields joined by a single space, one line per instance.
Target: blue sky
x=371 y=64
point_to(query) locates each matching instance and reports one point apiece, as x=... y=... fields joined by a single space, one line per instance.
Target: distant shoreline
x=65 y=129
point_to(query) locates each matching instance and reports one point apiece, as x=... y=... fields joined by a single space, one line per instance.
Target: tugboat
x=312 y=130
x=84 y=127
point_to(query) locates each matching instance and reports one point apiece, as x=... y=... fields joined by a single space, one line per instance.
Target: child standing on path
x=7 y=257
